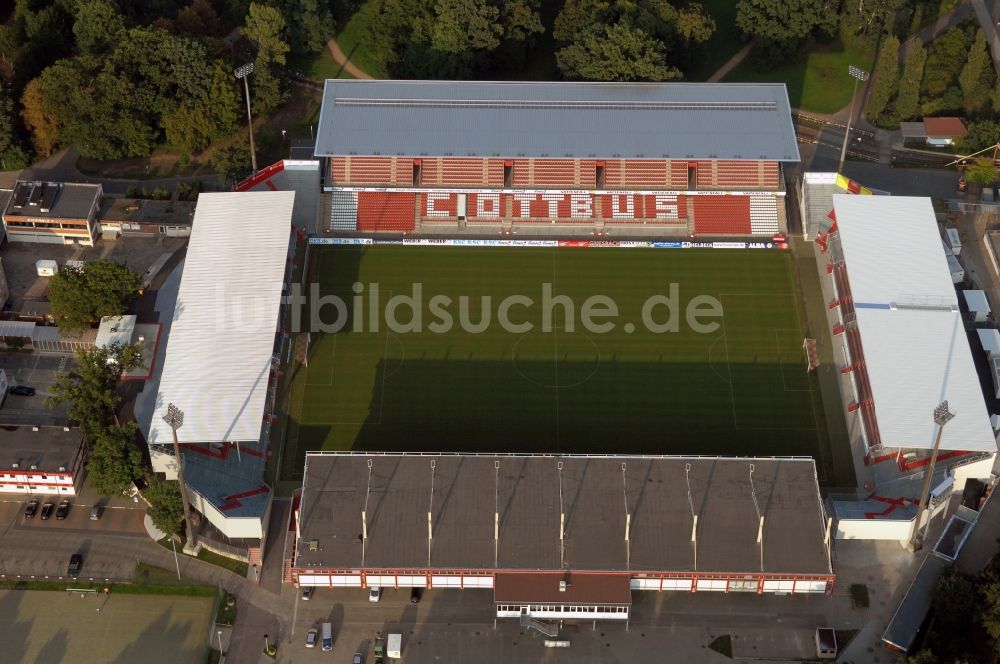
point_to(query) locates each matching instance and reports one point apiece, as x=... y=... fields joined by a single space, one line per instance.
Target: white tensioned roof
x=221 y=341
x=915 y=347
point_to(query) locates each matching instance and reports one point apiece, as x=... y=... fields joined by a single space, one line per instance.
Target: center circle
x=556 y=359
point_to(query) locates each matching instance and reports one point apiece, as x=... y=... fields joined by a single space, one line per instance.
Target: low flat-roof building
x=53 y=212
x=42 y=460
x=508 y=521
x=138 y=217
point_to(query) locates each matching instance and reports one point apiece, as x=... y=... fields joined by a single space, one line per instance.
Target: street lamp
x=175 y=418
x=941 y=417
x=244 y=72
x=220 y=642
x=859 y=75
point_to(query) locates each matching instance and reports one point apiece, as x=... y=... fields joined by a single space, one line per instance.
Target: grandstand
x=435 y=157
x=902 y=342
x=519 y=524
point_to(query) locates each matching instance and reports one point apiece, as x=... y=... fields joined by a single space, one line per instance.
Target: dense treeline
x=622 y=40
x=118 y=78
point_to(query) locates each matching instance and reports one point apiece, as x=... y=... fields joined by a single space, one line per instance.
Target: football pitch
x=734 y=384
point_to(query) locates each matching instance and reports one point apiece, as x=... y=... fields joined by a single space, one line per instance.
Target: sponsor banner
x=621 y=244
x=341 y=240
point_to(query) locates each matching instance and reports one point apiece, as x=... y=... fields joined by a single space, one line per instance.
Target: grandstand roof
x=529 y=495
x=300 y=176
x=915 y=347
x=566 y=119
x=221 y=341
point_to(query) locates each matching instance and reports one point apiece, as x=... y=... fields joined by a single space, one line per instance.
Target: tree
x=870 y=19
x=980 y=135
x=982 y=172
x=90 y=388
x=976 y=79
x=886 y=78
x=786 y=22
x=628 y=41
x=12 y=155
x=908 y=99
x=616 y=53
x=265 y=26
x=42 y=121
x=84 y=295
x=190 y=129
x=265 y=88
x=166 y=509
x=233 y=162
x=98 y=26
x=466 y=25
x=945 y=59
x=114 y=460
x=199 y=19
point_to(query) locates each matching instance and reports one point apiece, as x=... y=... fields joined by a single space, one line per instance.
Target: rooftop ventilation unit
x=314 y=545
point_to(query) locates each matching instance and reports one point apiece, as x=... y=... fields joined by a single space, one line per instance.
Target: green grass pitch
x=741 y=390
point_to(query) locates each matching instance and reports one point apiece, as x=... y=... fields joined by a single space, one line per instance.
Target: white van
x=326 y=632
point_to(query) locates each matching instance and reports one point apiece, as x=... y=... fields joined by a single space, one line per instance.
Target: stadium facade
x=560 y=536
x=656 y=159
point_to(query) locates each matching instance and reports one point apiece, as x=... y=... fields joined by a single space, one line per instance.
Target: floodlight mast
x=941 y=417
x=175 y=418
x=243 y=72
x=859 y=75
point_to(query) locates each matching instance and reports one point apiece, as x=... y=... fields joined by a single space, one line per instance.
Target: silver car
x=311 y=637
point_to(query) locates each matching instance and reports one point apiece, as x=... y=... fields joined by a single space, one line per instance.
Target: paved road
x=986 y=22
x=62 y=167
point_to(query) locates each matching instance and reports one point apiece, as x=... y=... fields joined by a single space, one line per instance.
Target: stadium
x=457 y=419
x=526 y=437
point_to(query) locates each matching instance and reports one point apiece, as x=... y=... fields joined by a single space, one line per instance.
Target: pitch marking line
x=732 y=394
x=781 y=366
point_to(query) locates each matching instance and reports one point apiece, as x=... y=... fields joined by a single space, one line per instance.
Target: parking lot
x=52 y=627
x=19 y=260
x=37 y=370
x=41 y=549
x=458 y=626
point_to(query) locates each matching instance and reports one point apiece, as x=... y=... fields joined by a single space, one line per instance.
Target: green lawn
x=323 y=66
x=724 y=42
x=739 y=390
x=353 y=41
x=817 y=80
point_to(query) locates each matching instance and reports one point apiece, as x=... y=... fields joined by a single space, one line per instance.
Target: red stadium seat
x=722 y=215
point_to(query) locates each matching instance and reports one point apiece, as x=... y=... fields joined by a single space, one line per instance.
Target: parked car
x=416 y=594
x=307 y=594
x=311 y=637
x=23 y=391
x=30 y=508
x=75 y=563
x=375 y=593
x=47 y=510
x=62 y=510
x=358 y=659
x=95 y=512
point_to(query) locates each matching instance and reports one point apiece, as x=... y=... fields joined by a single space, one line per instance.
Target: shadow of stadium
x=573 y=407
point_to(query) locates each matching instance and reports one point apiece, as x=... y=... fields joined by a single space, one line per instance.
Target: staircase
x=547 y=629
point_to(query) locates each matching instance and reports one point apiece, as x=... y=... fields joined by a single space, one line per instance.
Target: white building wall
x=232 y=527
